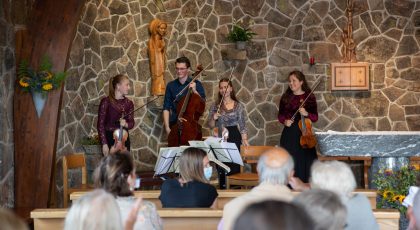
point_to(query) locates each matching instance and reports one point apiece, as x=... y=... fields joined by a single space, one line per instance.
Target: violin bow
x=303 y=103
x=195 y=78
x=154 y=99
x=224 y=94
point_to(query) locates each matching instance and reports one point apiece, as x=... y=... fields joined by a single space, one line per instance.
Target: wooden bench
x=224 y=196
x=177 y=219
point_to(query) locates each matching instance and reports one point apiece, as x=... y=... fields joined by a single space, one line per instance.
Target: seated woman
x=117 y=175
x=95 y=210
x=192 y=188
x=337 y=177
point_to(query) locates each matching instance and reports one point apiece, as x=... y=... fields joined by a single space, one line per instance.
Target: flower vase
x=240 y=45
x=39 y=100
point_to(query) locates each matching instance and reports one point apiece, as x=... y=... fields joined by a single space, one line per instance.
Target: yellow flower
x=388 y=194
x=48 y=75
x=401 y=198
x=23 y=83
x=394 y=198
x=47 y=86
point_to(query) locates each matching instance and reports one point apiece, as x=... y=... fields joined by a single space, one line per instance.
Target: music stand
x=219 y=151
x=168 y=160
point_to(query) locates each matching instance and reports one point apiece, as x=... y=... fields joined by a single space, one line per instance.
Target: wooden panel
x=224 y=196
x=174 y=219
x=35 y=138
x=350 y=76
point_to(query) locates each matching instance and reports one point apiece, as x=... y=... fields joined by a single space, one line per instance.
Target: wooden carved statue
x=157 y=55
x=348 y=50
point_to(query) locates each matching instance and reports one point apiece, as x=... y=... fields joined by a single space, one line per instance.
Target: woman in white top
x=116 y=174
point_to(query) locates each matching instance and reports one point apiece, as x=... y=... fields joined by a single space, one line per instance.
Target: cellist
x=291 y=102
x=173 y=88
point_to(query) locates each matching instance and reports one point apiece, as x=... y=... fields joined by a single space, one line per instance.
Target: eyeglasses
x=180 y=69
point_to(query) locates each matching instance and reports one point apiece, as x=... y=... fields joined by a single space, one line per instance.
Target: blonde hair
x=9 y=221
x=191 y=166
x=95 y=210
x=113 y=82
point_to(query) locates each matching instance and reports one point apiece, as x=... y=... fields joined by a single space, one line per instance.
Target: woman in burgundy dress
x=115 y=111
x=290 y=138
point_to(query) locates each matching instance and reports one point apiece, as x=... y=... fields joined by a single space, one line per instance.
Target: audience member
x=414 y=214
x=275 y=168
x=337 y=177
x=95 y=210
x=274 y=215
x=9 y=221
x=325 y=208
x=117 y=175
x=192 y=188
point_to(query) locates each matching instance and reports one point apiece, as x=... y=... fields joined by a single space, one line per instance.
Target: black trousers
x=234 y=137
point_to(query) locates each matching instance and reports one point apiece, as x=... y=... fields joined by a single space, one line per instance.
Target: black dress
x=290 y=137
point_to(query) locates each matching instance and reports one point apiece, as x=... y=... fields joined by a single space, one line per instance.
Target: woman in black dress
x=290 y=139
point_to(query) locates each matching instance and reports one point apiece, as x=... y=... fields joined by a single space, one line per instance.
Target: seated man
x=275 y=168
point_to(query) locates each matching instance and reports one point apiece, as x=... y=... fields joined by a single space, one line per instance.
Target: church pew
x=175 y=219
x=224 y=196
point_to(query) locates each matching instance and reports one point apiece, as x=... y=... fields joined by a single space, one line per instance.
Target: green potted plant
x=240 y=35
x=91 y=143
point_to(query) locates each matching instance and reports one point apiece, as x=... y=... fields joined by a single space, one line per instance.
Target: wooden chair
x=74 y=161
x=250 y=155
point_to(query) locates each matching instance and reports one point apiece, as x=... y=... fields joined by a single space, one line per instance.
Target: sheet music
x=223 y=151
x=168 y=160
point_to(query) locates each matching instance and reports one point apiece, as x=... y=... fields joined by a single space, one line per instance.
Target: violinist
x=173 y=88
x=228 y=113
x=115 y=112
x=290 y=103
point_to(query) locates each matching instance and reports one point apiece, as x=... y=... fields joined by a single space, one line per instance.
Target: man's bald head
x=275 y=166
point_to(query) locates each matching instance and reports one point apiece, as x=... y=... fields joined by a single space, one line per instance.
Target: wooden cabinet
x=350 y=76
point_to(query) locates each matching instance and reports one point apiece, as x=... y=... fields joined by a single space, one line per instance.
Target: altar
x=388 y=149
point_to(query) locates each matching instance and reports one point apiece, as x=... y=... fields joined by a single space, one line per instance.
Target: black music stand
x=168 y=160
x=219 y=151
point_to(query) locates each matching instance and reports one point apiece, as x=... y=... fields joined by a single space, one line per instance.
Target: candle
x=312 y=61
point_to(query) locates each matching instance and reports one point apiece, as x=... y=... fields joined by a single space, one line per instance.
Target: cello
x=307 y=140
x=189 y=110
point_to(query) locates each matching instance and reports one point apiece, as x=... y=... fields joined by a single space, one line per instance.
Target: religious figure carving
x=348 y=50
x=157 y=55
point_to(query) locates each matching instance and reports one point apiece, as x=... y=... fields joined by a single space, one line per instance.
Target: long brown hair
x=113 y=172
x=305 y=87
x=191 y=166
x=232 y=94
x=113 y=82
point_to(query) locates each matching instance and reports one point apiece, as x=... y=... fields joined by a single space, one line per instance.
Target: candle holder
x=311 y=61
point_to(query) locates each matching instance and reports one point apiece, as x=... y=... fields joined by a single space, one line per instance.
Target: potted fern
x=240 y=35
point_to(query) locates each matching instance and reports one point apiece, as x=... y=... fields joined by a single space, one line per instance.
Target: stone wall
x=7 y=83
x=112 y=38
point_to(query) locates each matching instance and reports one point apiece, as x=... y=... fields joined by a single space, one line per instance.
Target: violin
x=307 y=140
x=189 y=110
x=120 y=137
